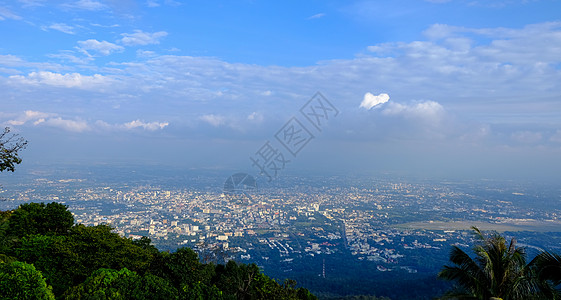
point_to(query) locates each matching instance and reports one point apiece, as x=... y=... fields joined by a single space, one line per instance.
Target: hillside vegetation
x=45 y=255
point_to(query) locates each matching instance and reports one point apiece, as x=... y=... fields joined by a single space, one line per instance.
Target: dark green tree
x=19 y=280
x=68 y=260
x=10 y=145
x=123 y=284
x=499 y=270
x=40 y=218
x=548 y=267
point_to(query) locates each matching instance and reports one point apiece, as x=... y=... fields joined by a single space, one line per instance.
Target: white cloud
x=60 y=27
x=151 y=126
x=142 y=38
x=32 y=3
x=17 y=62
x=49 y=119
x=69 y=125
x=145 y=53
x=427 y=110
x=212 y=119
x=69 y=80
x=103 y=47
x=7 y=14
x=371 y=100
x=256 y=117
x=316 y=16
x=28 y=115
x=152 y=3
x=91 y=5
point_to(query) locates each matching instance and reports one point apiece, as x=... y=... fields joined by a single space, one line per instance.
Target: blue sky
x=473 y=86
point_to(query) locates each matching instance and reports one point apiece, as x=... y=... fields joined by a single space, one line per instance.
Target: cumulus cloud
x=142 y=38
x=69 y=80
x=371 y=100
x=28 y=115
x=68 y=125
x=103 y=47
x=49 y=119
x=38 y=118
x=150 y=126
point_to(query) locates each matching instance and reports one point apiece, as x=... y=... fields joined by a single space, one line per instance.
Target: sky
x=447 y=88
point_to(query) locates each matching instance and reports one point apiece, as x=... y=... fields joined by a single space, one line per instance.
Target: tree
x=10 y=145
x=22 y=281
x=548 y=267
x=122 y=284
x=40 y=218
x=67 y=260
x=498 y=271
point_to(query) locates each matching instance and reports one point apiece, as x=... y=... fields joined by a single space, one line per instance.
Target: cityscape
x=308 y=228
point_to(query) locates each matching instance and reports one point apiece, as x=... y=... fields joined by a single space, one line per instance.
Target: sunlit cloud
x=151 y=126
x=369 y=101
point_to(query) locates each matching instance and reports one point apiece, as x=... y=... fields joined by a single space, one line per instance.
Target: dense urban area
x=324 y=232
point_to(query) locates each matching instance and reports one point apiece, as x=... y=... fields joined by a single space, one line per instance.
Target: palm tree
x=548 y=267
x=498 y=271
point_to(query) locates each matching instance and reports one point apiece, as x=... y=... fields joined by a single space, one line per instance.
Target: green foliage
x=242 y=281
x=19 y=280
x=10 y=145
x=183 y=268
x=122 y=284
x=81 y=262
x=548 y=267
x=68 y=260
x=498 y=270
x=38 y=218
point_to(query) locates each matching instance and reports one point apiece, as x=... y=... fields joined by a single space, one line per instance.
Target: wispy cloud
x=90 y=5
x=103 y=47
x=32 y=3
x=60 y=27
x=212 y=119
x=142 y=38
x=76 y=124
x=426 y=110
x=316 y=16
x=8 y=14
x=68 y=80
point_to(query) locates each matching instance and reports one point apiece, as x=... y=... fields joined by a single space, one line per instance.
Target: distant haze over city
x=437 y=88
